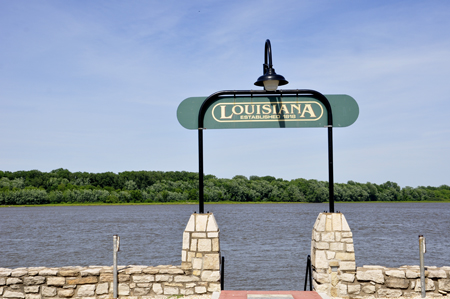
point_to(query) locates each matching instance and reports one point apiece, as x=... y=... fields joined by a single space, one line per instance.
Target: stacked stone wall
x=97 y=282
x=399 y=282
x=199 y=273
x=335 y=272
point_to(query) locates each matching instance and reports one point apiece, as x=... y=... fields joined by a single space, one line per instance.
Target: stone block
x=337 y=246
x=123 y=289
x=34 y=280
x=329 y=223
x=321 y=277
x=212 y=224
x=69 y=272
x=204 y=245
x=347 y=266
x=346 y=234
x=345 y=256
x=211 y=262
x=322 y=245
x=185 y=278
x=190 y=227
x=349 y=247
x=66 y=293
x=331 y=255
x=174 y=270
x=345 y=226
x=48 y=272
x=14 y=280
x=322 y=288
x=49 y=291
x=337 y=221
x=143 y=278
x=347 y=277
x=200 y=290
x=211 y=276
x=5 y=272
x=102 y=288
x=157 y=288
x=389 y=293
x=134 y=270
x=213 y=234
x=150 y=270
x=167 y=278
x=2 y=281
x=437 y=274
x=368 y=289
x=396 y=273
x=370 y=275
x=320 y=260
x=444 y=285
x=198 y=235
x=200 y=222
x=33 y=296
x=197 y=263
x=429 y=285
x=187 y=292
x=337 y=236
x=13 y=294
x=170 y=291
x=328 y=237
x=334 y=279
x=56 y=281
x=141 y=291
x=186 y=240
x=320 y=227
x=193 y=245
x=412 y=274
x=316 y=236
x=31 y=289
x=190 y=256
x=215 y=244
x=214 y=287
x=183 y=255
x=19 y=273
x=82 y=280
x=354 y=288
x=397 y=283
x=90 y=272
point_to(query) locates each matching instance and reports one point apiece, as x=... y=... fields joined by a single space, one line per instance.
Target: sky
x=94 y=86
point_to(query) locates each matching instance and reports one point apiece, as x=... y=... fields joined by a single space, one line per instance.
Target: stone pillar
x=201 y=250
x=332 y=255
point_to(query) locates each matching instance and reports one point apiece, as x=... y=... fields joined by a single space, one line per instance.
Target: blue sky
x=94 y=85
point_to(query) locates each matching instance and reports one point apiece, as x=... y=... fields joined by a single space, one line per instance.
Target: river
x=265 y=245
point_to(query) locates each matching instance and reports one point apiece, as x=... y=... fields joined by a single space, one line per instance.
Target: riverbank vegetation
x=62 y=186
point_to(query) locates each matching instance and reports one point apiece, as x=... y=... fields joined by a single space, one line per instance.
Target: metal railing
x=308 y=274
x=222 y=274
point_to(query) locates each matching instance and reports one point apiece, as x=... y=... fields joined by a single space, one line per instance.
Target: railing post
x=222 y=274
x=422 y=267
x=116 y=245
x=308 y=274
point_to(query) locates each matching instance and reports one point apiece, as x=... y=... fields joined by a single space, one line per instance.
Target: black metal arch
x=314 y=94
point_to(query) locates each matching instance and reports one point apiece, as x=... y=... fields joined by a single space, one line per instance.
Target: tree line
x=63 y=186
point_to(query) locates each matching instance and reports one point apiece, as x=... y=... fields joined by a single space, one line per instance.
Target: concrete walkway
x=269 y=295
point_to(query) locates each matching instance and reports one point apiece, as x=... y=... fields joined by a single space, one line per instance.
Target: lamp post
x=270 y=81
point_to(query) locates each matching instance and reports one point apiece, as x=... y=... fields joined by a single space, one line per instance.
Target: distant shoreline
x=210 y=203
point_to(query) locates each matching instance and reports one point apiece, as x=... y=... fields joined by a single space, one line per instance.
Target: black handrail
x=222 y=274
x=308 y=273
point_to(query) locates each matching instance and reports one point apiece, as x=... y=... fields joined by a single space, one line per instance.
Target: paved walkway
x=269 y=295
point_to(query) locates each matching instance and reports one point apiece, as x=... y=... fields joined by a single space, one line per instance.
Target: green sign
x=268 y=112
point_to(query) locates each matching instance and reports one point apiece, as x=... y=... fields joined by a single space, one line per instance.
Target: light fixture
x=270 y=80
